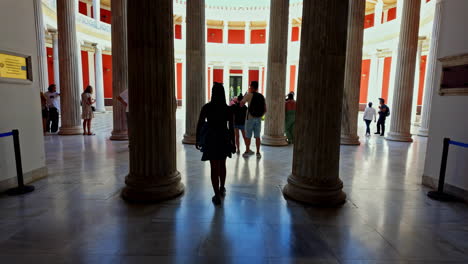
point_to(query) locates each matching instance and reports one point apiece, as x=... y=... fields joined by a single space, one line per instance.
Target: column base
x=68 y=131
x=277 y=141
x=350 y=140
x=119 y=135
x=423 y=132
x=141 y=190
x=317 y=195
x=190 y=140
x=402 y=137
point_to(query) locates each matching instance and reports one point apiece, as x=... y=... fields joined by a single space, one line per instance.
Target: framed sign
x=454 y=80
x=14 y=67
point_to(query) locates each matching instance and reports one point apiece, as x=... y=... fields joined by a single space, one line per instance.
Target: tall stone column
x=245 y=79
x=400 y=125
x=55 y=57
x=378 y=13
x=247 y=32
x=260 y=79
x=276 y=77
x=97 y=10
x=69 y=69
x=153 y=174
x=315 y=170
x=226 y=81
x=196 y=73
x=99 y=89
x=352 y=77
x=431 y=71
x=41 y=48
x=225 y=32
x=417 y=70
x=374 y=86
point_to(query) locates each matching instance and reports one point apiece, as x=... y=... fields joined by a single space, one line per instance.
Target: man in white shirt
x=53 y=106
x=123 y=98
x=369 y=114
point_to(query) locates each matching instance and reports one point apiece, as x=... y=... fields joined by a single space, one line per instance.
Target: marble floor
x=76 y=215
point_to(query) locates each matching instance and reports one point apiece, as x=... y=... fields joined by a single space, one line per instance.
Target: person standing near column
x=384 y=111
x=369 y=114
x=54 y=108
x=87 y=114
x=290 y=117
x=253 y=122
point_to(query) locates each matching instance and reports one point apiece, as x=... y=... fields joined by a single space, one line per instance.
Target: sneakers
x=259 y=156
x=248 y=153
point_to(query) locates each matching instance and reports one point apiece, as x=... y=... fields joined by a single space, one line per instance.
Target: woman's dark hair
x=291 y=96
x=239 y=98
x=370 y=104
x=218 y=96
x=89 y=89
x=51 y=87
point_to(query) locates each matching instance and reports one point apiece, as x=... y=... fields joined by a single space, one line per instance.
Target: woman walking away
x=215 y=138
x=239 y=113
x=369 y=114
x=290 y=117
x=86 y=109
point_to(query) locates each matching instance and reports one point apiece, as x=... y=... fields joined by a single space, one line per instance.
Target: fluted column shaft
x=417 y=70
x=196 y=73
x=55 y=58
x=41 y=48
x=69 y=69
x=100 y=107
x=315 y=170
x=400 y=125
x=97 y=10
x=431 y=71
x=153 y=174
x=276 y=77
x=119 y=67
x=352 y=77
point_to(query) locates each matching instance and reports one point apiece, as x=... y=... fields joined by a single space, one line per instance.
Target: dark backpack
x=257 y=105
x=388 y=111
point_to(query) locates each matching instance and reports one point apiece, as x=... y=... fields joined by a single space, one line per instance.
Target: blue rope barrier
x=6 y=134
x=460 y=144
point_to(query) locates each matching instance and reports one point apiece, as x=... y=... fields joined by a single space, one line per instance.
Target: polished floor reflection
x=77 y=216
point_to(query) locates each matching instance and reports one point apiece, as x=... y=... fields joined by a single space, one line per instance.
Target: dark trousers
x=53 y=120
x=381 y=125
x=367 y=126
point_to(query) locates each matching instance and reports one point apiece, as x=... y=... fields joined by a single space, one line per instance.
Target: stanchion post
x=21 y=189
x=439 y=194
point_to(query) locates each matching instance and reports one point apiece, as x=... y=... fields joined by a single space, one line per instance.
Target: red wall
x=82 y=8
x=295 y=34
x=106 y=16
x=386 y=77
x=214 y=35
x=236 y=36
x=364 y=81
x=391 y=14
x=179 y=81
x=369 y=21
x=178 y=31
x=253 y=76
x=292 y=78
x=85 y=68
x=257 y=36
x=50 y=65
x=107 y=75
x=235 y=71
x=422 y=78
x=218 y=75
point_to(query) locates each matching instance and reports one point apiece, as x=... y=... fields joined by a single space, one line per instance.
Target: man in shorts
x=253 y=122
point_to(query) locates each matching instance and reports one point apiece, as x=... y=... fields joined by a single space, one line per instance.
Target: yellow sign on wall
x=13 y=67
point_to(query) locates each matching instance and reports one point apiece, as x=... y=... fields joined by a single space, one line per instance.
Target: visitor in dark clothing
x=239 y=113
x=384 y=111
x=215 y=138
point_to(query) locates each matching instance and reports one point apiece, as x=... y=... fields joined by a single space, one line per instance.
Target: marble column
x=247 y=32
x=119 y=67
x=153 y=170
x=69 y=69
x=225 y=32
x=80 y=68
x=276 y=78
x=260 y=79
x=431 y=71
x=99 y=89
x=97 y=10
x=41 y=48
x=316 y=155
x=55 y=58
x=226 y=80
x=378 y=13
x=400 y=125
x=245 y=79
x=417 y=71
x=374 y=86
x=352 y=78
x=196 y=68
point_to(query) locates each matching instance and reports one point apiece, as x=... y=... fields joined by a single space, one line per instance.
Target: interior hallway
x=76 y=215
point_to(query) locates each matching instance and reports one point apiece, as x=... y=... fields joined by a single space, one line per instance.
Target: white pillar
x=225 y=32
x=287 y=87
x=80 y=68
x=391 y=86
x=373 y=91
x=417 y=72
x=226 y=80
x=380 y=74
x=247 y=32
x=55 y=57
x=97 y=10
x=260 y=78
x=290 y=26
x=245 y=79
x=88 y=10
x=184 y=84
x=100 y=107
x=184 y=29
x=378 y=13
x=91 y=69
x=41 y=48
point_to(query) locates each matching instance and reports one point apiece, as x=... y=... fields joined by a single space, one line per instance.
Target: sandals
x=216 y=200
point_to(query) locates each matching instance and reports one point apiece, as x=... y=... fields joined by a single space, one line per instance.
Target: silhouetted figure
x=239 y=113
x=369 y=114
x=384 y=111
x=215 y=138
x=53 y=105
x=290 y=117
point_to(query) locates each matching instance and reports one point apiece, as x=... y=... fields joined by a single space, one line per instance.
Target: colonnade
x=327 y=28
